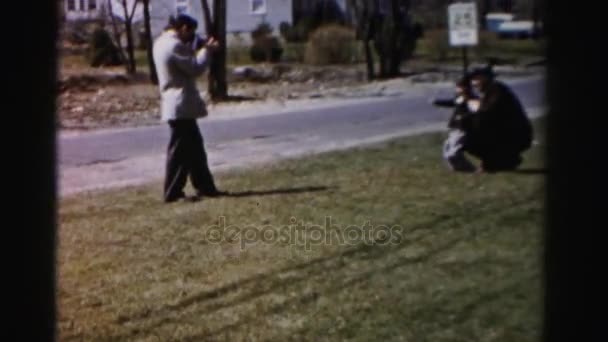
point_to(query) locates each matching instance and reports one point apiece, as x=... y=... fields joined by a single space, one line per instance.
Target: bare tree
x=149 y=43
x=116 y=32
x=128 y=22
x=128 y=14
x=388 y=24
x=365 y=27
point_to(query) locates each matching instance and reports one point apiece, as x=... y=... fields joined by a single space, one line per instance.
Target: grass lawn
x=458 y=258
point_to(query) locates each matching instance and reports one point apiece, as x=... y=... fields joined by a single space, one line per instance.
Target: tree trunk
x=391 y=31
x=369 y=60
x=220 y=86
x=369 y=18
x=364 y=32
x=207 y=16
x=131 y=67
x=391 y=38
x=149 y=43
x=397 y=38
x=117 y=35
x=384 y=64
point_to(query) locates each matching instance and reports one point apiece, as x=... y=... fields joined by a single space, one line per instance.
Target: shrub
x=294 y=52
x=491 y=46
x=436 y=45
x=301 y=31
x=262 y=30
x=266 y=49
x=101 y=49
x=331 y=44
x=238 y=54
x=77 y=32
x=285 y=28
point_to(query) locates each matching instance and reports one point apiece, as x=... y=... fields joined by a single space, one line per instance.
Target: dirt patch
x=101 y=98
x=114 y=105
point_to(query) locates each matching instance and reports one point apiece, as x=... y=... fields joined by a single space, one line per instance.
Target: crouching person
x=502 y=126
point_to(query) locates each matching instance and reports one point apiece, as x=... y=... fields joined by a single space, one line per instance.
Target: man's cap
x=183 y=19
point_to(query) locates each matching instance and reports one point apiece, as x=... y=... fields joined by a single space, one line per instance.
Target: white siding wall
x=238 y=16
x=160 y=10
x=80 y=13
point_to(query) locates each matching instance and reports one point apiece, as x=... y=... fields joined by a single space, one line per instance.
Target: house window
x=92 y=4
x=82 y=8
x=258 y=6
x=71 y=5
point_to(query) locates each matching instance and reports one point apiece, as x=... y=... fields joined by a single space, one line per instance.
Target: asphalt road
x=228 y=140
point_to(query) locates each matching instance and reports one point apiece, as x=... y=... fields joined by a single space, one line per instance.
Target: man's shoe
x=175 y=198
x=183 y=198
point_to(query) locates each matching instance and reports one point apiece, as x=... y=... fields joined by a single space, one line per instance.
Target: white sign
x=463 y=24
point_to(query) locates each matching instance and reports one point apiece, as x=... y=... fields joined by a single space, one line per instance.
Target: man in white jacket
x=178 y=64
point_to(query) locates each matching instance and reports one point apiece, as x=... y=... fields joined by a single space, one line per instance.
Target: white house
x=242 y=16
x=82 y=9
x=93 y=9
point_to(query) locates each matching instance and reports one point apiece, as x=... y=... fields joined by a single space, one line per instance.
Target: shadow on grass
x=279 y=191
x=528 y=171
x=531 y=171
x=334 y=264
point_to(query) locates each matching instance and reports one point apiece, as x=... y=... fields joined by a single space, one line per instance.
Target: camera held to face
x=198 y=42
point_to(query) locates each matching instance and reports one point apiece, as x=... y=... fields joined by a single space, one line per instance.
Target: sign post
x=463 y=27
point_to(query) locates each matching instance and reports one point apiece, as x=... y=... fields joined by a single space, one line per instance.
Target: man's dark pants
x=186 y=157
